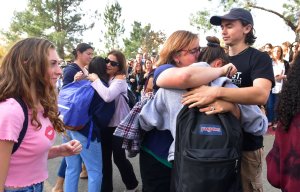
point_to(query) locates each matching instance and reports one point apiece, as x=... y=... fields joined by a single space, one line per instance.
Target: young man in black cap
x=255 y=79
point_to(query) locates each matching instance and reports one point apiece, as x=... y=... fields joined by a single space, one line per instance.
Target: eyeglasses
x=112 y=63
x=192 y=51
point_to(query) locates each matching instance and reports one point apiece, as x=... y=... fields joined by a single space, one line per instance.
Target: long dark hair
x=98 y=66
x=289 y=98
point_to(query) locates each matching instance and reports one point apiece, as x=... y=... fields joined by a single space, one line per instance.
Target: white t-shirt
x=278 y=69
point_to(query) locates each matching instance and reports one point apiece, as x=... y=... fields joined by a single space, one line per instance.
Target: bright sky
x=171 y=15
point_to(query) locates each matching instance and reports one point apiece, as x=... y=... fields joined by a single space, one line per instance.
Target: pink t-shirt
x=28 y=165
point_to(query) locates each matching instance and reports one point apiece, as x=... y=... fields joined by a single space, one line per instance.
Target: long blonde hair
x=25 y=67
x=174 y=44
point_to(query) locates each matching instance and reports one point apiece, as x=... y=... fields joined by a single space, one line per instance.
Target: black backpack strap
x=25 y=125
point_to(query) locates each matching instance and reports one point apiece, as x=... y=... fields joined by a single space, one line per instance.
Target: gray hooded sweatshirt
x=161 y=112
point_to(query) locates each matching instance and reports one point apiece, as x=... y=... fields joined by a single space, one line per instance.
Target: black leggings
x=113 y=145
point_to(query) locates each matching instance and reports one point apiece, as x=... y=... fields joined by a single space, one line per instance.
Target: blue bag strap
x=25 y=124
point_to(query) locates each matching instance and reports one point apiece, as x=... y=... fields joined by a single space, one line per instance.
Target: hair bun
x=212 y=41
x=209 y=44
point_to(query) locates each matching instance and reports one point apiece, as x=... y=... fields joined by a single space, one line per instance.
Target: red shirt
x=283 y=161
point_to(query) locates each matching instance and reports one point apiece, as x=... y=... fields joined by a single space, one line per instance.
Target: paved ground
x=119 y=186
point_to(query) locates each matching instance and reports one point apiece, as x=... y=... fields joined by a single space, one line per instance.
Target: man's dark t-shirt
x=252 y=64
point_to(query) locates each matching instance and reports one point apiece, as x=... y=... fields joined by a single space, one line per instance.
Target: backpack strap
x=125 y=97
x=25 y=124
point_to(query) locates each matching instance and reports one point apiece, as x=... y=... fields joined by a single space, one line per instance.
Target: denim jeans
x=32 y=188
x=271 y=107
x=62 y=168
x=92 y=158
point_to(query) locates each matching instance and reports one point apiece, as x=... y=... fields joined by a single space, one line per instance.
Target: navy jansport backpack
x=74 y=102
x=207 y=152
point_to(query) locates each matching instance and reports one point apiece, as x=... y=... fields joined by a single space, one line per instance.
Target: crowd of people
x=266 y=78
x=283 y=57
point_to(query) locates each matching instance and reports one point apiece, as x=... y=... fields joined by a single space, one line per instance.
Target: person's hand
x=132 y=80
x=79 y=76
x=280 y=77
x=92 y=77
x=225 y=70
x=219 y=106
x=72 y=147
x=201 y=96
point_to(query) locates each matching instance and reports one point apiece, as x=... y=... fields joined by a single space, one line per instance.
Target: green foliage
x=143 y=38
x=199 y=20
x=228 y=4
x=291 y=8
x=56 y=20
x=114 y=25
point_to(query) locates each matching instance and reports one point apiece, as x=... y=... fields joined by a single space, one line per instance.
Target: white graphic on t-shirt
x=237 y=79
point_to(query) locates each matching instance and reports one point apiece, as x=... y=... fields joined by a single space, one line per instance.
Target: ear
x=247 y=28
x=217 y=63
x=176 y=58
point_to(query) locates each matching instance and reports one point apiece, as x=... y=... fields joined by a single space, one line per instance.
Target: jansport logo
x=210 y=129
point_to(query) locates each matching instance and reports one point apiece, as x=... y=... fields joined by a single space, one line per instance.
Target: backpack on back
x=130 y=98
x=25 y=125
x=207 y=152
x=74 y=102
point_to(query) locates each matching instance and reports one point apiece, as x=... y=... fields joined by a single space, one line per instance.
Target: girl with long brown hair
x=29 y=72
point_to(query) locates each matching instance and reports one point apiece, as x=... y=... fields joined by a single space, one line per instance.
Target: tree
x=199 y=20
x=143 y=38
x=114 y=25
x=57 y=20
x=290 y=14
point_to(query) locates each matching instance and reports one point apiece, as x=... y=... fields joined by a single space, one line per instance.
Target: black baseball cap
x=234 y=14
